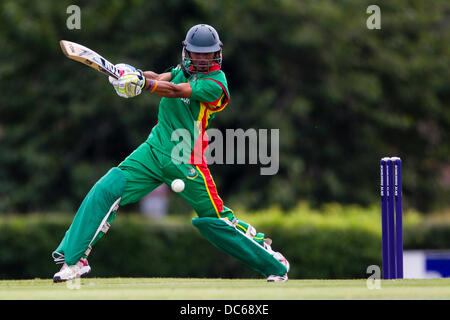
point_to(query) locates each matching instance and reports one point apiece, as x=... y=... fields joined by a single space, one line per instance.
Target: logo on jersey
x=186 y=100
x=192 y=173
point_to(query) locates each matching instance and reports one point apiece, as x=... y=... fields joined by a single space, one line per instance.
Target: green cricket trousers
x=140 y=173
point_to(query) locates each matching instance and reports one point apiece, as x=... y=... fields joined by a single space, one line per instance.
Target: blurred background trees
x=343 y=96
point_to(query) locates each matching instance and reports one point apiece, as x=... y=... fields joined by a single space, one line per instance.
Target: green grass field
x=220 y=289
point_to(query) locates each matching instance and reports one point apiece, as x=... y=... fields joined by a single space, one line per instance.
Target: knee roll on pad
x=224 y=235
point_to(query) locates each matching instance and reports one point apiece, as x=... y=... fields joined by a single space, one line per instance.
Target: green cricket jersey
x=180 y=131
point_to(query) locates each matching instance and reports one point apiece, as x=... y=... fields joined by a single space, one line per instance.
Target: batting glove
x=130 y=83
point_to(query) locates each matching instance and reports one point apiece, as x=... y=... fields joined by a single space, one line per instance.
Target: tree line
x=341 y=95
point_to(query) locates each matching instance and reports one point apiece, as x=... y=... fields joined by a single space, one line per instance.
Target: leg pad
x=98 y=206
x=225 y=236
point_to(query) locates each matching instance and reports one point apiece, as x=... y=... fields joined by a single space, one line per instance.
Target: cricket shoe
x=81 y=268
x=283 y=278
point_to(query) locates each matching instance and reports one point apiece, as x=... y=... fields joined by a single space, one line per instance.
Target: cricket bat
x=89 y=57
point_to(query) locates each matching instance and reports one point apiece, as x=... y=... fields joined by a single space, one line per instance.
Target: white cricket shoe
x=81 y=268
x=274 y=278
x=283 y=278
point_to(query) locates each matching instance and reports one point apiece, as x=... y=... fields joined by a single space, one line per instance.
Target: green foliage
x=334 y=242
x=343 y=96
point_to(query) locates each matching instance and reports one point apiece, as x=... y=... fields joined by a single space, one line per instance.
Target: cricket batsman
x=192 y=93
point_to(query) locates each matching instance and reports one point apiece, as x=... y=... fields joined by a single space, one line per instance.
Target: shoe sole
x=282 y=279
x=277 y=281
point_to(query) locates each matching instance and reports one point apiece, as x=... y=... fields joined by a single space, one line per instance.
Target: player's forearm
x=157 y=76
x=168 y=89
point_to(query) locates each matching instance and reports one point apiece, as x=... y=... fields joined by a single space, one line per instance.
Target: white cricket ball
x=177 y=185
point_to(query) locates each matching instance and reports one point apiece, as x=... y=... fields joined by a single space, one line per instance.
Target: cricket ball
x=177 y=185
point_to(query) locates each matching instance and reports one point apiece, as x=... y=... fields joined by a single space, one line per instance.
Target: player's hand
x=124 y=69
x=130 y=83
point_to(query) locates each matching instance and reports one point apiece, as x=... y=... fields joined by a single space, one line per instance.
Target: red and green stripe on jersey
x=209 y=95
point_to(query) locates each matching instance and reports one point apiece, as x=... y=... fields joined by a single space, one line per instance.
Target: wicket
x=391 y=217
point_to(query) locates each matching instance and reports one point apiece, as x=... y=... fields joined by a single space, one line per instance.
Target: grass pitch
x=221 y=289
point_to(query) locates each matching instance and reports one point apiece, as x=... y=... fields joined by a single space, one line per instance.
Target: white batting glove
x=130 y=83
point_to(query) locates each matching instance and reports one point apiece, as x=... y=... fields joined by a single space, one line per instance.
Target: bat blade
x=88 y=57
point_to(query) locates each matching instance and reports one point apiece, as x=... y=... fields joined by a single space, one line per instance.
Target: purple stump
x=391 y=218
x=384 y=217
x=398 y=217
